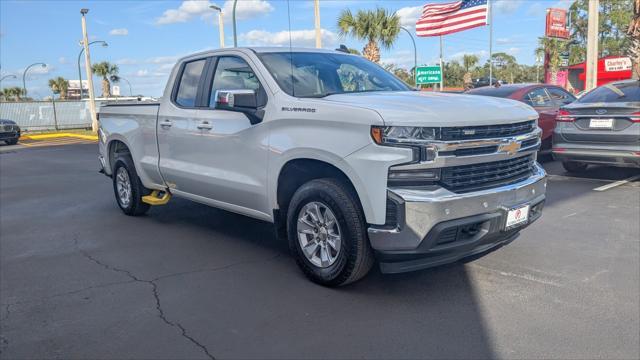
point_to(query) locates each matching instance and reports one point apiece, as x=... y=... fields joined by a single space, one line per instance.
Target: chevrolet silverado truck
x=351 y=165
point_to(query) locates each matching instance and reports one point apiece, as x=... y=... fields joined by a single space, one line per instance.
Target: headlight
x=403 y=134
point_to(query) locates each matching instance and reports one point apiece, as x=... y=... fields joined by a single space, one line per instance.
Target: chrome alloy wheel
x=319 y=234
x=123 y=185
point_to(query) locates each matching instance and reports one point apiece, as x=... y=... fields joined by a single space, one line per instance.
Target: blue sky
x=146 y=37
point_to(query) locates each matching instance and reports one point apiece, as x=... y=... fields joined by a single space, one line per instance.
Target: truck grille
x=475 y=177
x=487 y=131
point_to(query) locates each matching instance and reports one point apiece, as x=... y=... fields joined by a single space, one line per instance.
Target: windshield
x=302 y=74
x=622 y=92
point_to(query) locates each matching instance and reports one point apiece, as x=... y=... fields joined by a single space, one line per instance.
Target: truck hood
x=421 y=108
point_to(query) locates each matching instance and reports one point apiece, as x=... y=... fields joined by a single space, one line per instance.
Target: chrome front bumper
x=420 y=211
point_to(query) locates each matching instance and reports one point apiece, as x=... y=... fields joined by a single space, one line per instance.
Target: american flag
x=446 y=18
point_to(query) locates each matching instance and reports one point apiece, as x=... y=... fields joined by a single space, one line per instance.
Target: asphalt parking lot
x=78 y=279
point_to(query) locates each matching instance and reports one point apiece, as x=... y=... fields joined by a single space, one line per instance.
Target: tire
x=131 y=202
x=12 y=141
x=574 y=167
x=354 y=258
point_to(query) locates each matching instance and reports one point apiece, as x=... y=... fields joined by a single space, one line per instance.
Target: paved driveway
x=80 y=280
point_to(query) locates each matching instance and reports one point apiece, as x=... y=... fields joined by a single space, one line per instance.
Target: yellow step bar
x=157 y=197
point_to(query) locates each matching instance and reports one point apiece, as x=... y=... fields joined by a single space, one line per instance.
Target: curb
x=58 y=135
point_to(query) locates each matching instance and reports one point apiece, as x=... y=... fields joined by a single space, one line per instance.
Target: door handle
x=205 y=126
x=166 y=123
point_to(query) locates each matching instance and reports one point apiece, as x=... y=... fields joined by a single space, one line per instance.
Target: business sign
x=557 y=24
x=75 y=84
x=617 y=64
x=428 y=75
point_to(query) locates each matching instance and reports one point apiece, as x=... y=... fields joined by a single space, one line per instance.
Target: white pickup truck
x=348 y=162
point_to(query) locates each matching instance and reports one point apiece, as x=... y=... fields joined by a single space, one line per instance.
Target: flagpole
x=490 y=18
x=441 y=66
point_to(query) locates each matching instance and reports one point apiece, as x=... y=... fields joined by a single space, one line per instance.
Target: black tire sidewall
x=136 y=206
x=336 y=273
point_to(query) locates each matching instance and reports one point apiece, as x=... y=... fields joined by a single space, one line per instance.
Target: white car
x=348 y=162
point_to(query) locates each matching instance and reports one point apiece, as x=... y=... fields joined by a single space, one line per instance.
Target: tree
x=614 y=19
x=469 y=61
x=506 y=66
x=59 y=86
x=13 y=93
x=377 y=27
x=633 y=32
x=551 y=48
x=105 y=70
x=400 y=73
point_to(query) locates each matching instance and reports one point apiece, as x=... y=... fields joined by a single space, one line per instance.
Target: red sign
x=557 y=24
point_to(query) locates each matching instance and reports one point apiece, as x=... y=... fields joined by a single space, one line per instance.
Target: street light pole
x=104 y=44
x=415 y=53
x=24 y=76
x=7 y=76
x=220 y=24
x=233 y=16
x=87 y=64
x=130 y=91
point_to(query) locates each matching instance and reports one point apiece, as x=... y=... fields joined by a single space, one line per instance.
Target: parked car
x=602 y=127
x=9 y=132
x=484 y=81
x=345 y=159
x=545 y=99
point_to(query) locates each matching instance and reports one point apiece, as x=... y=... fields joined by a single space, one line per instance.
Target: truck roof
x=265 y=49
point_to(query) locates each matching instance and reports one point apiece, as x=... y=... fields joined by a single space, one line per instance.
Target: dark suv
x=9 y=132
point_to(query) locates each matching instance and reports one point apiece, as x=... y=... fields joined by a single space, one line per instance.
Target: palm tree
x=60 y=86
x=105 y=69
x=13 y=93
x=634 y=33
x=551 y=48
x=469 y=61
x=377 y=27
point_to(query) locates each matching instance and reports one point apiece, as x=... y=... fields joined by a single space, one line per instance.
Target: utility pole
x=220 y=24
x=592 y=46
x=441 y=67
x=233 y=18
x=490 y=18
x=316 y=14
x=87 y=64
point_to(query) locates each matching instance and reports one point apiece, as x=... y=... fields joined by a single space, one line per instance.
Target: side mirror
x=236 y=99
x=241 y=100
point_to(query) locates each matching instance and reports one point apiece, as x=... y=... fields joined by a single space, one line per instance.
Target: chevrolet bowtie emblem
x=510 y=148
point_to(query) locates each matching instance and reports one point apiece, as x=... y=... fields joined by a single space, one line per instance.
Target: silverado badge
x=511 y=148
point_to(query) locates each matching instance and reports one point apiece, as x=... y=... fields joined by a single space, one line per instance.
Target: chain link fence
x=47 y=115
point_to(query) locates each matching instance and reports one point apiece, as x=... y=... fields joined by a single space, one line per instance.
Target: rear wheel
x=128 y=188
x=327 y=233
x=12 y=141
x=574 y=166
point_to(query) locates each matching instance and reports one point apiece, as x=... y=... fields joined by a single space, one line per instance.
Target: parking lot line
x=617 y=183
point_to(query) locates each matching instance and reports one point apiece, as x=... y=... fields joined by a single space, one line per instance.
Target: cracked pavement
x=80 y=280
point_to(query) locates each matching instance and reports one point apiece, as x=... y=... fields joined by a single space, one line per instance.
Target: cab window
x=233 y=73
x=560 y=96
x=538 y=98
x=189 y=80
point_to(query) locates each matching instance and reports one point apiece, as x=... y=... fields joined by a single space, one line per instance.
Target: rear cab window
x=621 y=92
x=538 y=98
x=189 y=81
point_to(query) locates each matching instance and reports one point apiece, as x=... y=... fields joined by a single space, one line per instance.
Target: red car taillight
x=635 y=117
x=564 y=116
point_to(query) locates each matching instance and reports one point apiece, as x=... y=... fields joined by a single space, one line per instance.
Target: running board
x=157 y=197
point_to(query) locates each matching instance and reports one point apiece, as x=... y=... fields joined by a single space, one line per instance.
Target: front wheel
x=574 y=167
x=327 y=233
x=12 y=141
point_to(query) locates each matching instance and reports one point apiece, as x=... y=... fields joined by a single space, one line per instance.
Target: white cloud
x=281 y=38
x=401 y=58
x=126 y=61
x=190 y=9
x=481 y=54
x=119 y=32
x=141 y=73
x=163 y=59
x=409 y=15
x=506 y=6
x=62 y=60
x=513 y=51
